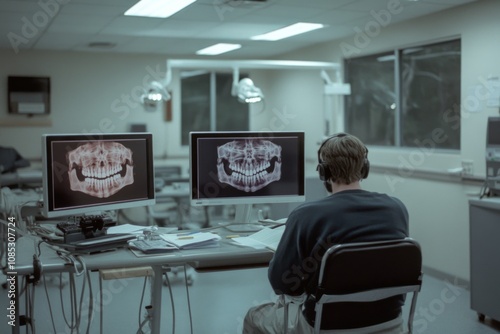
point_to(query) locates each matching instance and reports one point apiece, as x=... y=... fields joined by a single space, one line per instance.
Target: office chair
x=366 y=272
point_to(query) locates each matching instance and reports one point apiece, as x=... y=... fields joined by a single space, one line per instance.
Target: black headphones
x=324 y=170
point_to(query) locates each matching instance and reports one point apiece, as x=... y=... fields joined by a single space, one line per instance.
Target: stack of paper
x=192 y=240
x=265 y=238
x=151 y=246
x=138 y=229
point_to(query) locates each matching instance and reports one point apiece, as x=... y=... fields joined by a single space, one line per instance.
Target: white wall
x=90 y=92
x=438 y=208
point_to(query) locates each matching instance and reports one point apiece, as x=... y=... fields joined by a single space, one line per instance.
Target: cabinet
x=484 y=221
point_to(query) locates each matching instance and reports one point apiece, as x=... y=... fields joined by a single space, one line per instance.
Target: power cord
x=188 y=299
x=171 y=302
x=148 y=316
x=76 y=306
x=91 y=302
x=101 y=313
x=50 y=305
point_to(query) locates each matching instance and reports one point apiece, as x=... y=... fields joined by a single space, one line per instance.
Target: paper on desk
x=265 y=238
x=126 y=228
x=192 y=240
x=249 y=242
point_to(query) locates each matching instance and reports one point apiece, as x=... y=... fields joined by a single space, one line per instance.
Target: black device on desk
x=85 y=227
x=100 y=244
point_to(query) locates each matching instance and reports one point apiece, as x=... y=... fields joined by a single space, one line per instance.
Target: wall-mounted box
x=28 y=95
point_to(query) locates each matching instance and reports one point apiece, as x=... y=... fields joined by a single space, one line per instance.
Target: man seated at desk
x=349 y=214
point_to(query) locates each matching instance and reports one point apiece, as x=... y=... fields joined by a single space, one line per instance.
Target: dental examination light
x=245 y=89
x=155 y=93
x=248 y=93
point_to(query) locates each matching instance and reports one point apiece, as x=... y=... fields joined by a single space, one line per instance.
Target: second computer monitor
x=246 y=167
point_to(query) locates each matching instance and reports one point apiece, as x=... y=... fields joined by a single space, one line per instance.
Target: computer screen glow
x=86 y=173
x=246 y=167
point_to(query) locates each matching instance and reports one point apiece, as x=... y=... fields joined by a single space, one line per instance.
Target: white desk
x=226 y=256
x=484 y=221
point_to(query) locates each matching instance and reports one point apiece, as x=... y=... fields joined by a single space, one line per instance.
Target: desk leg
x=156 y=293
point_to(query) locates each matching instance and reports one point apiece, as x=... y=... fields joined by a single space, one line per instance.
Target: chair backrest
x=369 y=271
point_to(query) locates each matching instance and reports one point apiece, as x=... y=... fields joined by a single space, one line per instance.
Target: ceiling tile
x=78 y=24
x=73 y=24
x=131 y=25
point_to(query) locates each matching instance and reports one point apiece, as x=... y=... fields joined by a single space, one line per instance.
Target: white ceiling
x=66 y=25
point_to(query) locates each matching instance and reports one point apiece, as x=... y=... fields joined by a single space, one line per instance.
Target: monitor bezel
x=245 y=200
x=48 y=209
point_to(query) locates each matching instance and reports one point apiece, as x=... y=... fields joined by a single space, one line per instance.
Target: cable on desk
x=76 y=306
x=50 y=305
x=188 y=300
x=84 y=283
x=100 y=305
x=91 y=302
x=30 y=305
x=72 y=301
x=80 y=269
x=148 y=317
x=171 y=301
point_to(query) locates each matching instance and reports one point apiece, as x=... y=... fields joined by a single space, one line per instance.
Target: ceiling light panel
x=218 y=49
x=289 y=31
x=157 y=8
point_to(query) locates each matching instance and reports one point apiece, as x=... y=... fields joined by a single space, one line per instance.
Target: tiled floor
x=219 y=302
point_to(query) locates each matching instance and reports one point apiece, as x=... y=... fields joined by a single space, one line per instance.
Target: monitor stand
x=242 y=220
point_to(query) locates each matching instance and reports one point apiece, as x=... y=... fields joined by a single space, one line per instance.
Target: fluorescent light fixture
x=217 y=49
x=157 y=8
x=292 y=30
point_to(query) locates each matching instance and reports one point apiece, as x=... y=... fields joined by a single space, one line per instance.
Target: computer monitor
x=89 y=173
x=246 y=168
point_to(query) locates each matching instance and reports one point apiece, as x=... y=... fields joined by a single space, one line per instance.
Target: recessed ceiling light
x=292 y=30
x=157 y=8
x=217 y=49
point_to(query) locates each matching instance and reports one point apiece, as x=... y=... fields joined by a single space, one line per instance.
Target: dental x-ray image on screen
x=246 y=167
x=249 y=164
x=100 y=168
x=82 y=173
